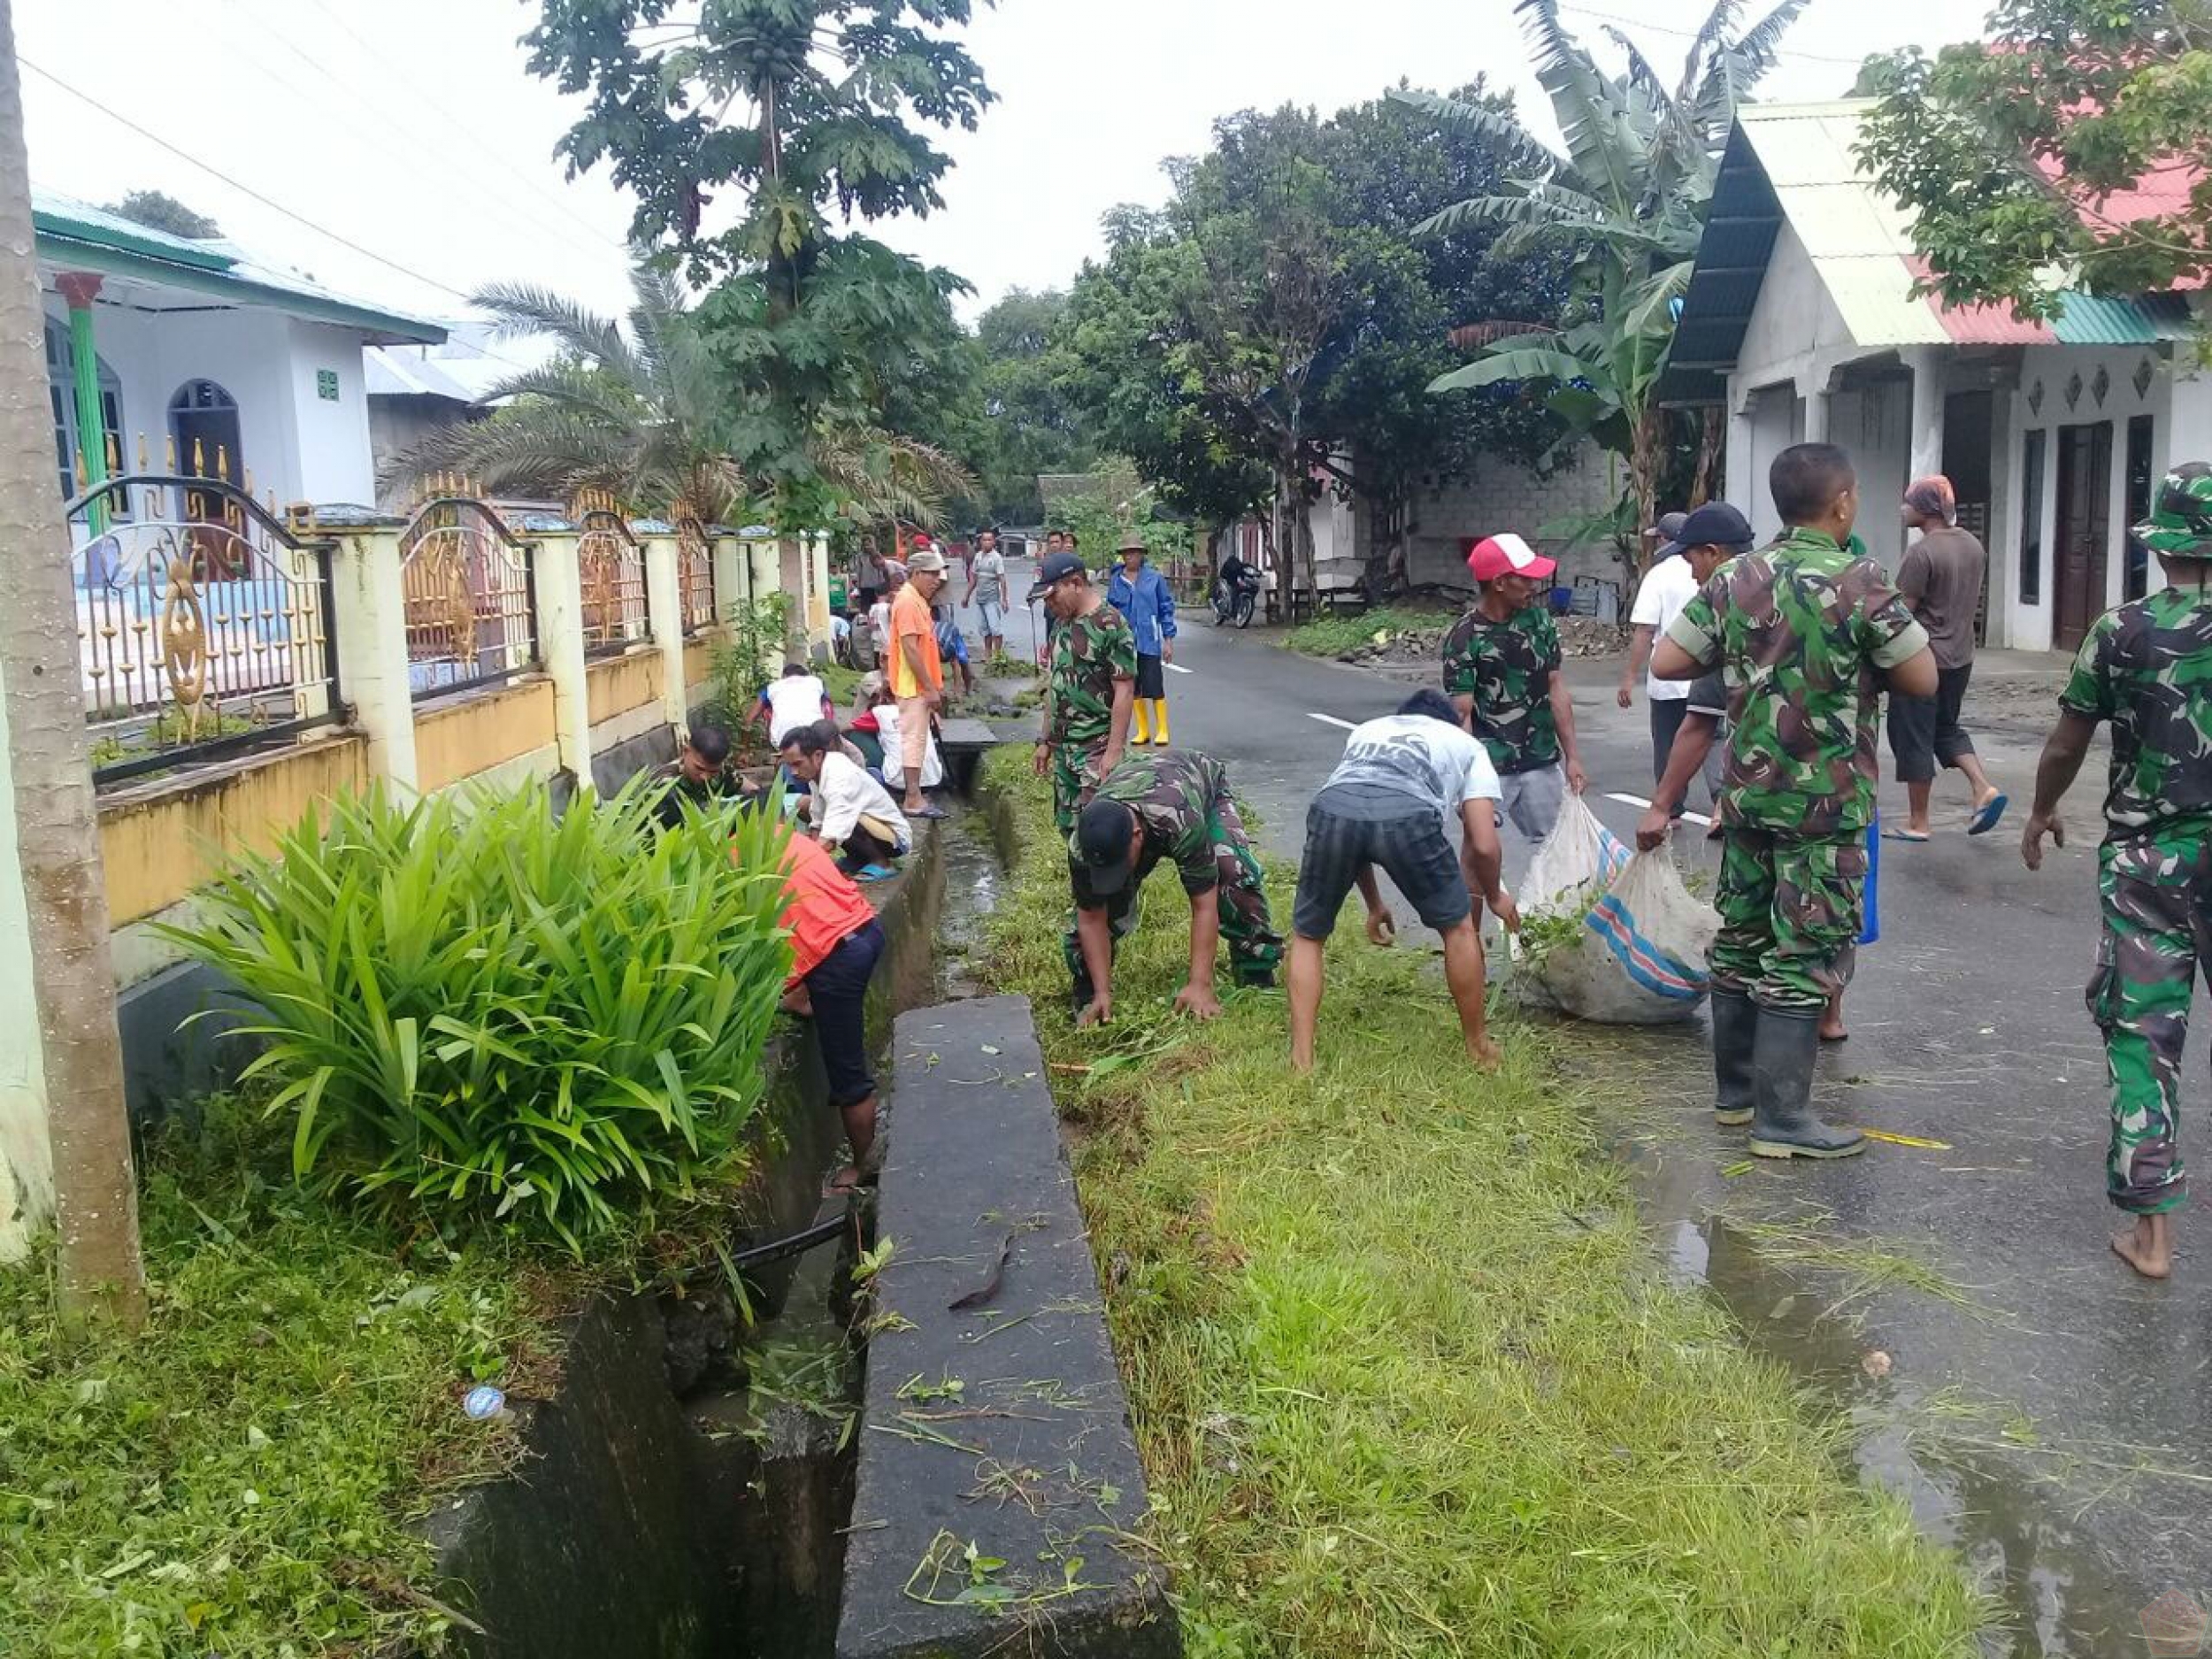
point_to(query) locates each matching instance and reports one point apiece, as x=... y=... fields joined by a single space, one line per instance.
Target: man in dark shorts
x=1387 y=803
x=1940 y=581
x=835 y=945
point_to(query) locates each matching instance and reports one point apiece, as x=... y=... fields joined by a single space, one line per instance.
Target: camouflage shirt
x=1177 y=796
x=2147 y=668
x=1507 y=668
x=1800 y=629
x=1088 y=655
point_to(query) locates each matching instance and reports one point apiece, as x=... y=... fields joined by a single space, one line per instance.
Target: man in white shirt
x=1402 y=780
x=986 y=592
x=796 y=700
x=849 y=811
x=1697 y=543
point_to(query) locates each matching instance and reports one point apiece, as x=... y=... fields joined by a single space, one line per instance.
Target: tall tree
x=2007 y=150
x=65 y=1140
x=1026 y=425
x=161 y=211
x=810 y=112
x=1273 y=331
x=1626 y=202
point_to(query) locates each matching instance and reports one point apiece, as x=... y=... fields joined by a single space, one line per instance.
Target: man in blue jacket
x=1140 y=593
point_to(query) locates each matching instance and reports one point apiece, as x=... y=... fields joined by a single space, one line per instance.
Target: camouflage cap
x=2180 y=524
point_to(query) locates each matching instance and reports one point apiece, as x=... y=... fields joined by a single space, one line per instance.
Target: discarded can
x=484 y=1402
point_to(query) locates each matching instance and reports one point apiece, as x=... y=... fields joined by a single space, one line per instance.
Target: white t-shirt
x=793 y=701
x=1419 y=757
x=844 y=794
x=1667 y=585
x=880 y=623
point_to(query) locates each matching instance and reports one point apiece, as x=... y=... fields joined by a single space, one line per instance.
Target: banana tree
x=1628 y=196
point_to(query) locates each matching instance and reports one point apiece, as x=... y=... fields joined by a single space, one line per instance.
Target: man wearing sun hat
x=1502 y=666
x=2146 y=668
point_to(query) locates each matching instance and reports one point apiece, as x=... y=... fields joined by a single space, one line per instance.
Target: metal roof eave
x=220 y=281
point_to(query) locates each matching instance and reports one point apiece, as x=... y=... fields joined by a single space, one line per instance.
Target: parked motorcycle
x=1233 y=600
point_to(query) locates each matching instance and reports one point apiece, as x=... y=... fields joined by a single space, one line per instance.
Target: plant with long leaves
x=1627 y=196
x=479 y=1014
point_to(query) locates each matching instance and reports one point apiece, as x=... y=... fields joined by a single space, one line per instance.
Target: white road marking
x=1698 y=818
x=1329 y=719
x=1175 y=668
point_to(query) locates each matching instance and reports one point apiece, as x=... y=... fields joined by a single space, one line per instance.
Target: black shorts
x=1151 y=678
x=839 y=989
x=1924 y=732
x=1411 y=850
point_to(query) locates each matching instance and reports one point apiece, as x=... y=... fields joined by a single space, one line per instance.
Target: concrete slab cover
x=998 y=1425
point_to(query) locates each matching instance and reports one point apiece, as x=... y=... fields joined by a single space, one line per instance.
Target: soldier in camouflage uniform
x=1502 y=666
x=2146 y=668
x=1090 y=686
x=1174 y=806
x=1806 y=631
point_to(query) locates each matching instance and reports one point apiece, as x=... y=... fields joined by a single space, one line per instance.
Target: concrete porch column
x=665 y=603
x=1815 y=396
x=1925 y=435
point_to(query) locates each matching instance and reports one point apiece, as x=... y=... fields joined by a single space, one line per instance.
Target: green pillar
x=78 y=287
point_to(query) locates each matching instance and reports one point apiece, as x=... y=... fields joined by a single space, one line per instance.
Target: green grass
x=1334 y=635
x=241 y=1477
x=1406 y=1379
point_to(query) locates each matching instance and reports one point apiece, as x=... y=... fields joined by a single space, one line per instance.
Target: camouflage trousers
x=2157 y=893
x=1247 y=928
x=1074 y=775
x=1789 y=917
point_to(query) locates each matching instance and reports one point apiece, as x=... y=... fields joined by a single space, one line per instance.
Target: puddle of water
x=2058 y=1599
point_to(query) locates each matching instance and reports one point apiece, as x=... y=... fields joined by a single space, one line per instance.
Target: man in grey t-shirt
x=1387 y=803
x=1940 y=581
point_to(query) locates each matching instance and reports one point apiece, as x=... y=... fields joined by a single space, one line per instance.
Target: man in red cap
x=1502 y=666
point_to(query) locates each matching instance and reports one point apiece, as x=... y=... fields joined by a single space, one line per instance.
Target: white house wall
x=295 y=445
x=2050 y=369
x=1795 y=333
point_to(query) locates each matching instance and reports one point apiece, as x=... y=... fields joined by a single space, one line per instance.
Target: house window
x=61 y=391
x=2031 y=517
x=2136 y=573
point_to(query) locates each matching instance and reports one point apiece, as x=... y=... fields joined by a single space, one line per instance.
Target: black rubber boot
x=1783 y=1125
x=1735 y=1027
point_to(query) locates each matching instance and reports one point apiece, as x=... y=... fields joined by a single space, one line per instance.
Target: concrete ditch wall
x=624 y=1532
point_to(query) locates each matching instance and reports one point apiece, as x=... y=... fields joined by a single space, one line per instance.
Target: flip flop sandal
x=1985 y=817
x=1914 y=836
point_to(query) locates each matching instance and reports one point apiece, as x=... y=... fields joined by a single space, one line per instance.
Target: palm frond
x=1585 y=104
x=1473 y=336
x=1650 y=308
x=1513 y=363
x=1499 y=125
x=1710 y=39
x=524 y=308
x=540 y=451
x=1643 y=77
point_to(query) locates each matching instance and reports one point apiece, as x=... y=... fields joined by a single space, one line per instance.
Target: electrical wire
x=1691 y=35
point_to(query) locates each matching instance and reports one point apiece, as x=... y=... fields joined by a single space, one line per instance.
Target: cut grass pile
x=240 y=1477
x=1405 y=1377
x=1341 y=635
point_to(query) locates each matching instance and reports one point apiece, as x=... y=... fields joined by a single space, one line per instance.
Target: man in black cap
x=1697 y=543
x=1174 y=806
x=1090 y=685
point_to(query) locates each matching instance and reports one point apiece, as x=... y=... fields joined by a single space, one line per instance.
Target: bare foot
x=1831 y=1030
x=846 y=1182
x=2146 y=1247
x=1486 y=1054
x=1301 y=1064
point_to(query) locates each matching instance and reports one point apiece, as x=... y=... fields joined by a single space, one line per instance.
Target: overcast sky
x=412 y=129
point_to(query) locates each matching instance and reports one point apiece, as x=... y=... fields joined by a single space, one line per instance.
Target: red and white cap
x=1506 y=554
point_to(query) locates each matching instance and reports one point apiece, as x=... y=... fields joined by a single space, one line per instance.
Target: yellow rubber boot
x=1140 y=728
x=1159 y=720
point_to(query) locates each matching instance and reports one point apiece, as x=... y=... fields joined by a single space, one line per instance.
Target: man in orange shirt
x=835 y=944
x=918 y=673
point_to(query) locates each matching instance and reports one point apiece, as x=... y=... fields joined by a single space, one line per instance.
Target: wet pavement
x=2037 y=1404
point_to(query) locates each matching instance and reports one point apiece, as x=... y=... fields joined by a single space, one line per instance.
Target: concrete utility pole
x=64 y=1137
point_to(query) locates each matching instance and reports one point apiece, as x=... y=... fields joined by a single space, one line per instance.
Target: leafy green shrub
x=487 y=1015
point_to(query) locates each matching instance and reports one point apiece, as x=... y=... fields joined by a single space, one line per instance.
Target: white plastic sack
x=1639 y=957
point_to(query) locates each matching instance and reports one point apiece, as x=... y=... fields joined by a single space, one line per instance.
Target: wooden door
x=2085 y=523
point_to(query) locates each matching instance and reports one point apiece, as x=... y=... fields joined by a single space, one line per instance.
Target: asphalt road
x=2041 y=1406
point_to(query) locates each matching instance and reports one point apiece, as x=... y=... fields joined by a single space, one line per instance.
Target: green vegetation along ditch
x=1406 y=1378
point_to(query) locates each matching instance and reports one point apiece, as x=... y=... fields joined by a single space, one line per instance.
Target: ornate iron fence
x=611 y=564
x=695 y=574
x=470 y=586
x=204 y=623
